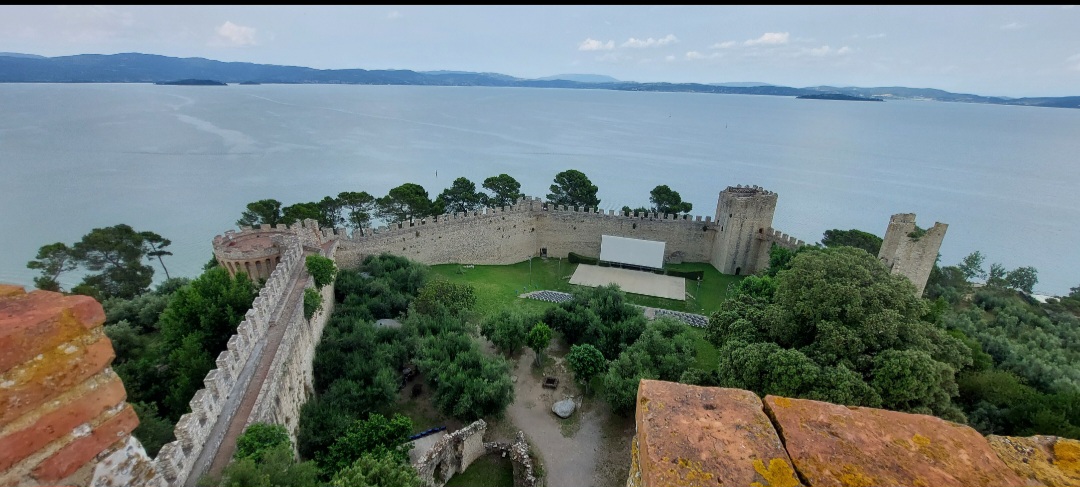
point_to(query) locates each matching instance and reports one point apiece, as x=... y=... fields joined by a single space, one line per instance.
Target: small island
x=192 y=82
x=839 y=96
x=245 y=83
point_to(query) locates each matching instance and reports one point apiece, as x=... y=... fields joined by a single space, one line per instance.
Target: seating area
x=691 y=319
x=551 y=296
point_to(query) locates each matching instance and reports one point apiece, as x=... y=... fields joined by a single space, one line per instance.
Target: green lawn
x=487 y=471
x=498 y=286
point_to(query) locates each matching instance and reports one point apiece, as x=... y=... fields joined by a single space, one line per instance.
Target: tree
x=972 y=266
x=377 y=471
x=155 y=245
x=1022 y=279
x=586 y=362
x=312 y=302
x=301 y=211
x=572 y=188
x=376 y=435
x=276 y=468
x=116 y=252
x=403 y=203
x=321 y=269
x=665 y=201
x=538 y=339
x=507 y=329
x=52 y=260
x=461 y=197
x=330 y=212
x=360 y=206
x=258 y=438
x=262 y=212
x=505 y=190
x=641 y=210
x=997 y=275
x=852 y=238
x=455 y=297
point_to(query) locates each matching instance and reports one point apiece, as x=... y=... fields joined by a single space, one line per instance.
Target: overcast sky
x=989 y=50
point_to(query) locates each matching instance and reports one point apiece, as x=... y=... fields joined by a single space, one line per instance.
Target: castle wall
x=225 y=385
x=491 y=236
x=562 y=230
x=63 y=415
x=452 y=454
x=911 y=257
x=291 y=375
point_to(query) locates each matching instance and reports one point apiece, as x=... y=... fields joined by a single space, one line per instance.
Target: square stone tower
x=909 y=254
x=743 y=216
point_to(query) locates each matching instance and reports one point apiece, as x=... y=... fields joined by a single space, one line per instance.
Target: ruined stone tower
x=908 y=254
x=743 y=216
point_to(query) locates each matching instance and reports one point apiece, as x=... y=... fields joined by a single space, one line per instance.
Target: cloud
x=876 y=36
x=650 y=42
x=393 y=14
x=770 y=39
x=827 y=51
x=723 y=45
x=230 y=34
x=696 y=56
x=591 y=44
x=1013 y=26
x=669 y=58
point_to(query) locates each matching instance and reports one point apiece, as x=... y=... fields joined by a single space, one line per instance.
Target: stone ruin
x=453 y=453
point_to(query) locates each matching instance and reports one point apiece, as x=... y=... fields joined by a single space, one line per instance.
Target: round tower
x=251 y=251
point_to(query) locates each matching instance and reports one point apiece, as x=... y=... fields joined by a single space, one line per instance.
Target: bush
x=581 y=259
x=321 y=269
x=258 y=438
x=312 y=302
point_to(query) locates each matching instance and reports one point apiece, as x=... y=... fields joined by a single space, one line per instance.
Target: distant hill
x=152 y=68
x=742 y=84
x=17 y=54
x=581 y=78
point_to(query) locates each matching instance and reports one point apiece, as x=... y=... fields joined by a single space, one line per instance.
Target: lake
x=183 y=161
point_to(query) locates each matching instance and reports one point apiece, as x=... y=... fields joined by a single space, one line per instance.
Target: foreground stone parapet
x=1048 y=460
x=833 y=445
x=698 y=436
x=63 y=418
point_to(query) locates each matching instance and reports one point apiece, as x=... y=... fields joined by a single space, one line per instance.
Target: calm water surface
x=183 y=161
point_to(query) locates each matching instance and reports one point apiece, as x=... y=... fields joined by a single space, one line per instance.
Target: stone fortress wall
x=911 y=257
x=217 y=402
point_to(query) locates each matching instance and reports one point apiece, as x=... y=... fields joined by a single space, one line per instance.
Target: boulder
x=564 y=408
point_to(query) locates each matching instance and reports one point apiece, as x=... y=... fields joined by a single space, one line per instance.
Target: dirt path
x=569 y=459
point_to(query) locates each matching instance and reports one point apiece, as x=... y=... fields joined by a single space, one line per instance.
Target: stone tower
x=743 y=215
x=911 y=256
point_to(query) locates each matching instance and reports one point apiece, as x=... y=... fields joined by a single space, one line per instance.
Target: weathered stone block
x=34 y=323
x=1048 y=460
x=60 y=422
x=77 y=453
x=834 y=445
x=54 y=373
x=697 y=436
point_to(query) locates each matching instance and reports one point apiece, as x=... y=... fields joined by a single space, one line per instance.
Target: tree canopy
x=461 y=197
x=403 y=203
x=667 y=201
x=262 y=212
x=853 y=238
x=572 y=188
x=505 y=190
x=839 y=327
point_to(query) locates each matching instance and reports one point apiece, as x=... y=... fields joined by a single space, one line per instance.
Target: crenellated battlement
x=782 y=239
x=216 y=401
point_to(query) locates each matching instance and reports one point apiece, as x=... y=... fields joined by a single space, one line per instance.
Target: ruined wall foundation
x=911 y=256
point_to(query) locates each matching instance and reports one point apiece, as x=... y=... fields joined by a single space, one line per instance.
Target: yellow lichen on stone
x=1067 y=456
x=689 y=473
x=920 y=440
x=778 y=474
x=782 y=402
x=853 y=476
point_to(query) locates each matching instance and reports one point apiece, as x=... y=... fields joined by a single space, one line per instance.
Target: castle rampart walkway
x=212 y=461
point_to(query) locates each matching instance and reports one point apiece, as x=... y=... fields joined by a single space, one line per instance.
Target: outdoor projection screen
x=632 y=251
